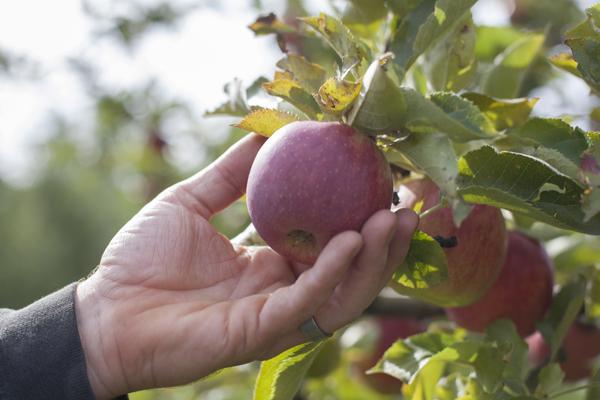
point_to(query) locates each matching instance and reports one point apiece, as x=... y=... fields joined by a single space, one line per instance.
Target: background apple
x=579 y=350
x=476 y=260
x=522 y=292
x=313 y=180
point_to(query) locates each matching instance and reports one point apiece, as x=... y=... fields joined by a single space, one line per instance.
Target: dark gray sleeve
x=40 y=351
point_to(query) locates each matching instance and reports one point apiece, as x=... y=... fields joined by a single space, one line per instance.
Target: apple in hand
x=312 y=180
x=522 y=292
x=474 y=262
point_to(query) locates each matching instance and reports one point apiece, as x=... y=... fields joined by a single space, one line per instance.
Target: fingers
x=362 y=282
x=387 y=237
x=408 y=220
x=287 y=308
x=223 y=181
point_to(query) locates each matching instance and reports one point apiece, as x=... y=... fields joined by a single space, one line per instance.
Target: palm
x=173 y=258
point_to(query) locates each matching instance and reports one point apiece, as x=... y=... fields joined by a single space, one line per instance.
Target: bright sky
x=209 y=48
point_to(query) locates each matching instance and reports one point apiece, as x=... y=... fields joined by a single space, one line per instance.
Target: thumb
x=223 y=181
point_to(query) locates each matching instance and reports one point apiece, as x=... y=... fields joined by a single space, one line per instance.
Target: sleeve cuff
x=40 y=351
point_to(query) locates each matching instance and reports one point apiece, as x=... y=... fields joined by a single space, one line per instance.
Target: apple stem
x=433 y=209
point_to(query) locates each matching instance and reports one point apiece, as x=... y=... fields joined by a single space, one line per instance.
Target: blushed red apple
x=476 y=260
x=522 y=292
x=579 y=350
x=312 y=180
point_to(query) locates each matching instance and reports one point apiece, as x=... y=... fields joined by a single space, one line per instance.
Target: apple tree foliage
x=447 y=98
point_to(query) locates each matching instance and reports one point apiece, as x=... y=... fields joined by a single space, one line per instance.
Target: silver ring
x=311 y=330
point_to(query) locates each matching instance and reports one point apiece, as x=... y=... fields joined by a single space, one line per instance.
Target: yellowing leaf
x=336 y=95
x=284 y=75
x=292 y=92
x=350 y=49
x=503 y=113
x=267 y=24
x=309 y=75
x=265 y=121
x=565 y=62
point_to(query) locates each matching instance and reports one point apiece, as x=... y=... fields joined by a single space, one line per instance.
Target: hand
x=173 y=300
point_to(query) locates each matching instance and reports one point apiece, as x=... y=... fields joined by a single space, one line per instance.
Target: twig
x=404 y=307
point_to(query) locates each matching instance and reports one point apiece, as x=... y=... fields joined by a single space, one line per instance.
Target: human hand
x=173 y=300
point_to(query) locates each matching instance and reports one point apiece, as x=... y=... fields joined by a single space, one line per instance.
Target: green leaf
x=592 y=298
x=563 y=311
x=237 y=103
x=380 y=107
x=591 y=198
x=505 y=78
x=425 y=264
x=451 y=64
x=586 y=53
x=309 y=76
x=565 y=62
x=421 y=27
x=593 y=392
x=280 y=377
x=335 y=95
x=423 y=387
x=448 y=113
x=265 y=121
x=268 y=24
x=433 y=154
x=365 y=18
x=549 y=380
x=525 y=185
x=293 y=93
x=583 y=251
x=503 y=114
x=350 y=49
x=556 y=142
x=405 y=358
x=589 y=27
x=256 y=87
x=584 y=41
x=493 y=40
x=504 y=332
x=365 y=11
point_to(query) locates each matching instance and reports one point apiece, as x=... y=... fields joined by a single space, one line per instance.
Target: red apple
x=522 y=292
x=312 y=180
x=579 y=350
x=476 y=260
x=390 y=329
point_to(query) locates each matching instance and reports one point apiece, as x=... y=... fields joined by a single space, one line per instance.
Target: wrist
x=92 y=324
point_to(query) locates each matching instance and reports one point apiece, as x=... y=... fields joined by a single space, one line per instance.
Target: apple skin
x=474 y=263
x=522 y=292
x=390 y=330
x=312 y=180
x=580 y=347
